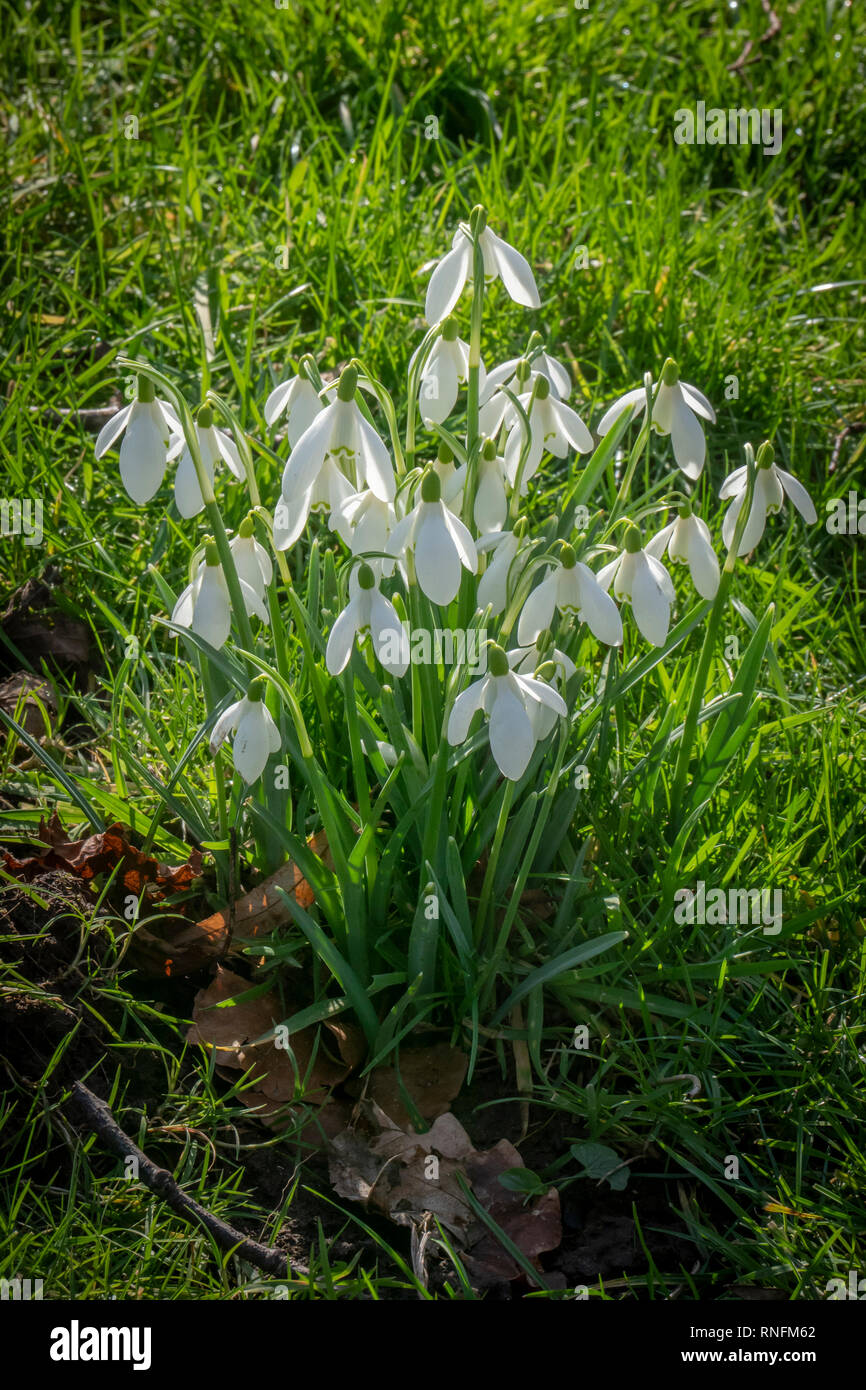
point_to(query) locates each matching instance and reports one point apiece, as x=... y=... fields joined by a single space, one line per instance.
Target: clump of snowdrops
x=397 y=649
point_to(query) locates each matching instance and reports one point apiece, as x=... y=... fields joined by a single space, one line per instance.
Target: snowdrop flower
x=507 y=699
x=252 y=561
x=526 y=661
x=570 y=587
x=771 y=485
x=490 y=509
x=689 y=542
x=440 y=543
x=365 y=523
x=500 y=259
x=642 y=581
x=368 y=611
x=553 y=426
x=339 y=443
x=256 y=735
x=205 y=605
x=517 y=375
x=214 y=445
x=493 y=587
x=445 y=369
x=147 y=425
x=299 y=399
x=675 y=412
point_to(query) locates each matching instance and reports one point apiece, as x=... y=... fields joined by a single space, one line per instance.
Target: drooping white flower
x=771 y=485
x=364 y=522
x=499 y=579
x=439 y=542
x=256 y=736
x=299 y=399
x=517 y=375
x=553 y=426
x=147 y=426
x=688 y=542
x=642 y=580
x=500 y=260
x=445 y=369
x=525 y=661
x=507 y=699
x=214 y=445
x=205 y=604
x=338 y=454
x=252 y=561
x=490 y=509
x=570 y=587
x=675 y=412
x=368 y=611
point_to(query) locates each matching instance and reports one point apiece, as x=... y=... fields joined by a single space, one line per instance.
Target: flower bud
x=348 y=384
x=632 y=540
x=431 y=488
x=568 y=557
x=450 y=328
x=670 y=373
x=366 y=577
x=205 y=417
x=497 y=661
x=146 y=390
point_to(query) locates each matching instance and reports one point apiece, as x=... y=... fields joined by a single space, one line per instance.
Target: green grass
x=261 y=129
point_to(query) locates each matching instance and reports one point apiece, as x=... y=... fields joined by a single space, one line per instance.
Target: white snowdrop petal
x=514 y=270
x=698 y=402
x=656 y=544
x=631 y=401
x=226 y=724
x=545 y=694
x=447 y=281
x=212 y=614
x=228 y=451
x=703 y=564
x=437 y=562
x=651 y=608
x=512 y=738
x=799 y=496
x=463 y=710
x=735 y=482
x=142 y=456
x=252 y=603
x=339 y=647
x=112 y=430
x=662 y=578
x=598 y=610
x=251 y=743
x=461 y=538
x=279 y=400
x=571 y=425
x=375 y=461
x=183 y=610
x=687 y=437
x=537 y=612
x=187 y=493
x=308 y=455
x=290 y=518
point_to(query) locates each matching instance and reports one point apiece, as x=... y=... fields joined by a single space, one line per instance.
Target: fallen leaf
x=431 y=1075
x=407 y=1176
x=190 y=945
x=99 y=854
x=39 y=630
x=232 y=1030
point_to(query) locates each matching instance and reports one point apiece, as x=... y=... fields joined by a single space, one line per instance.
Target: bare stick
x=100 y=1119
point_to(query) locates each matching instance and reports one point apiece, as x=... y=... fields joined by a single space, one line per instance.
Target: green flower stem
x=719 y=604
x=484 y=903
x=514 y=506
x=472 y=392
